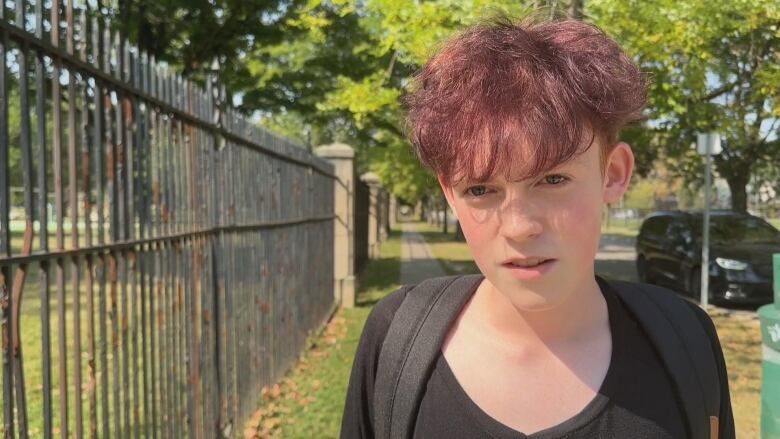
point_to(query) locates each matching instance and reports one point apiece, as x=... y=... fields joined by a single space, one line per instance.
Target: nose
x=519 y=221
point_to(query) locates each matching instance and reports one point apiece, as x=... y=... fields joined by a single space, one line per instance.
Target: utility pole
x=706 y=144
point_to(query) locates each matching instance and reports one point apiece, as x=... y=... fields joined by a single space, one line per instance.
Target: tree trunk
x=577 y=9
x=737 y=186
x=445 y=218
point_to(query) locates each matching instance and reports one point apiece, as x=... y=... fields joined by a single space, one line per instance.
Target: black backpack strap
x=411 y=346
x=684 y=347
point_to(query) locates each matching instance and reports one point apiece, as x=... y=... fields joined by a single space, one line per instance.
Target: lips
x=522 y=269
x=529 y=261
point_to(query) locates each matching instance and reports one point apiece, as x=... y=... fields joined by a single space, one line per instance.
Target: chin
x=530 y=299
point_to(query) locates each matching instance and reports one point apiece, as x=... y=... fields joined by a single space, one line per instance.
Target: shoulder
x=677 y=311
x=381 y=316
x=385 y=309
x=706 y=321
x=667 y=298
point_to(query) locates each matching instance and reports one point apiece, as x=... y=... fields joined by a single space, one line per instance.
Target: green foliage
x=191 y=34
x=641 y=195
x=714 y=66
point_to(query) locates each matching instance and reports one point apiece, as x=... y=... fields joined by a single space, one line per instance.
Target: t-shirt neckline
x=581 y=419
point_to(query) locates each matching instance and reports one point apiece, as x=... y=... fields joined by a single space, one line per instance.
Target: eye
x=477 y=191
x=556 y=179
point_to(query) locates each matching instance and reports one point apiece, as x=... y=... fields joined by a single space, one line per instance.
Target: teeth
x=528 y=263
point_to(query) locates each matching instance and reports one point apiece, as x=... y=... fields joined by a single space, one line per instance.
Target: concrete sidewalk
x=417 y=260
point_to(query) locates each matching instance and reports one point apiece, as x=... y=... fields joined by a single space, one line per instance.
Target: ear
x=617 y=173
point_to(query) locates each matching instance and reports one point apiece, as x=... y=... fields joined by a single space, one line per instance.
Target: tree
x=190 y=35
x=714 y=66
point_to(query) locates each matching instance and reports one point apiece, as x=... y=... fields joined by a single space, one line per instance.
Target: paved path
x=417 y=261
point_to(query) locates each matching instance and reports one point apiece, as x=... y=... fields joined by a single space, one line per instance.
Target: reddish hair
x=555 y=86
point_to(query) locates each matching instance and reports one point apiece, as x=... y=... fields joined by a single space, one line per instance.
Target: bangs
x=500 y=137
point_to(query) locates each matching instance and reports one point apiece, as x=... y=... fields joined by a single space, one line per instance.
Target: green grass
x=310 y=400
x=740 y=339
x=626 y=231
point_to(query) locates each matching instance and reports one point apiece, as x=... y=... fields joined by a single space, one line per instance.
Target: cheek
x=580 y=222
x=479 y=227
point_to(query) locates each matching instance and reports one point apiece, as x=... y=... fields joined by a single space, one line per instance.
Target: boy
x=519 y=122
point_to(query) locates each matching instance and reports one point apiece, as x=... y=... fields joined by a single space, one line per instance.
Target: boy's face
x=555 y=217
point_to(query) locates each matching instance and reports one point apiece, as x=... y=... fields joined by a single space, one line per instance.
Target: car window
x=677 y=231
x=655 y=227
x=730 y=229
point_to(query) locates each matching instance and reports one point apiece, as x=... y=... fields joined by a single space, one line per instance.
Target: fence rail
x=190 y=251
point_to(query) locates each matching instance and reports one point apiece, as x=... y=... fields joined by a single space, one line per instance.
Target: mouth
x=529 y=268
x=527 y=262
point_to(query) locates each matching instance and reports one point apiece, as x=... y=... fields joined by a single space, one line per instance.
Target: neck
x=577 y=317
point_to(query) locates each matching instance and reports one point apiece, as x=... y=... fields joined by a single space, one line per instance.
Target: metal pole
x=705 y=252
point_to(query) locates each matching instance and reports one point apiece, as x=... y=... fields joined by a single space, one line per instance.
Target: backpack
x=421 y=323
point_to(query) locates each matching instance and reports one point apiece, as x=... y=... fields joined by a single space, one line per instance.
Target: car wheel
x=641 y=270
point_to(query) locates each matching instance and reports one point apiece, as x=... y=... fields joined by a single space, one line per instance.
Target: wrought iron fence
x=189 y=254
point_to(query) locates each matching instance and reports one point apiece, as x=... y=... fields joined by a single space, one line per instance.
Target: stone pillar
x=374 y=212
x=342 y=156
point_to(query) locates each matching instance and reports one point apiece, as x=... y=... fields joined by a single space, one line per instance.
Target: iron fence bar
x=123 y=321
x=165 y=341
x=99 y=184
x=135 y=354
x=146 y=365
x=113 y=317
x=122 y=231
x=5 y=242
x=73 y=209
x=92 y=367
x=42 y=216
x=85 y=135
x=182 y=363
x=176 y=290
x=130 y=139
x=86 y=160
x=103 y=374
x=59 y=212
x=146 y=304
x=5 y=194
x=155 y=341
x=97 y=139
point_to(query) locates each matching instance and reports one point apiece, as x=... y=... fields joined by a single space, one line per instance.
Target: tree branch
x=719 y=91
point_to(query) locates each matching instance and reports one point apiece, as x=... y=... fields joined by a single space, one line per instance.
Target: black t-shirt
x=636 y=400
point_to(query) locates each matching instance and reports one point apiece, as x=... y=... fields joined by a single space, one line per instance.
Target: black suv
x=668 y=250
